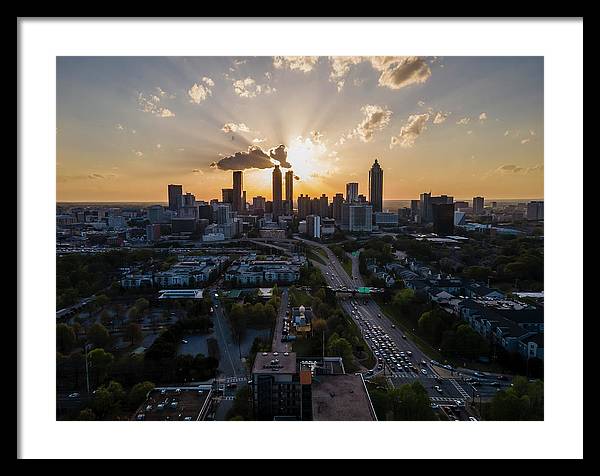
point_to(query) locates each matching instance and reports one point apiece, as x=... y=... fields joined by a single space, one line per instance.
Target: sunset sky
x=462 y=126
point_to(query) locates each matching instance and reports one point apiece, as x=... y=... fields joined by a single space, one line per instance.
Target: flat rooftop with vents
x=275 y=363
x=341 y=398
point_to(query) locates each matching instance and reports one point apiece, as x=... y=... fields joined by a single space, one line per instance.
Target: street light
x=87 y=375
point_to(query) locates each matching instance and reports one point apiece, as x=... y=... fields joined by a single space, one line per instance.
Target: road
x=277 y=345
x=399 y=358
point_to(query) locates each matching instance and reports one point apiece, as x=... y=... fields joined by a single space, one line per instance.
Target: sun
x=307 y=157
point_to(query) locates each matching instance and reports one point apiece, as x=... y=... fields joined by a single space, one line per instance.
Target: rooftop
x=340 y=398
x=275 y=363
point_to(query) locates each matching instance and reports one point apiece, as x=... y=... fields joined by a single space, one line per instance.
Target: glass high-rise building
x=289 y=189
x=238 y=186
x=175 y=193
x=351 y=192
x=277 y=193
x=376 y=187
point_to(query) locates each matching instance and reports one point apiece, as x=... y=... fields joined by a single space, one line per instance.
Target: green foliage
x=409 y=402
x=87 y=414
x=241 y=409
x=523 y=401
x=100 y=362
x=65 y=338
x=138 y=393
x=98 y=335
x=133 y=332
x=108 y=399
x=339 y=347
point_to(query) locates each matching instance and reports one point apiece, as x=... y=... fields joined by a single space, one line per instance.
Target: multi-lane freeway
x=399 y=359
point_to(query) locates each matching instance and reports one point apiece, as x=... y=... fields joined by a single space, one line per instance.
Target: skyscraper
x=443 y=218
x=238 y=185
x=337 y=202
x=324 y=206
x=227 y=195
x=478 y=203
x=175 y=193
x=289 y=190
x=535 y=210
x=351 y=192
x=277 y=195
x=376 y=187
x=303 y=206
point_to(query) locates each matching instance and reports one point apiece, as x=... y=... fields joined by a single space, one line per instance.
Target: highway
x=400 y=359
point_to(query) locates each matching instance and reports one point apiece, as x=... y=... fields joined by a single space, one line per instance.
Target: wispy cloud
x=233 y=127
x=376 y=118
x=152 y=104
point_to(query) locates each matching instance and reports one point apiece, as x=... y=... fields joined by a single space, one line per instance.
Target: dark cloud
x=254 y=158
x=279 y=154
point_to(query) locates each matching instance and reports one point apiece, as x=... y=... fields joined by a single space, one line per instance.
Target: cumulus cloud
x=376 y=118
x=254 y=158
x=464 y=121
x=138 y=153
x=249 y=88
x=421 y=103
x=197 y=172
x=233 y=127
x=316 y=136
x=201 y=90
x=300 y=63
x=525 y=141
x=440 y=117
x=120 y=127
x=279 y=154
x=410 y=131
x=151 y=104
x=507 y=132
x=482 y=116
x=396 y=71
x=469 y=132
x=164 y=94
x=400 y=71
x=258 y=140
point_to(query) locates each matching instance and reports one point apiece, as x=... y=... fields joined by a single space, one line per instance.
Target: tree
x=238 y=320
x=100 y=362
x=87 y=414
x=133 y=332
x=107 y=400
x=138 y=393
x=340 y=347
x=133 y=314
x=105 y=318
x=98 y=335
x=102 y=300
x=431 y=325
x=65 y=338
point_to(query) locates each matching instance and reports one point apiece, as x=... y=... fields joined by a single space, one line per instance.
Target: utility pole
x=87 y=375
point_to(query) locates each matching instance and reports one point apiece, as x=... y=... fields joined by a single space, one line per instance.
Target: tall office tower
x=315 y=206
x=461 y=204
x=175 y=193
x=414 y=207
x=227 y=195
x=361 y=198
x=238 y=186
x=259 y=204
x=324 y=206
x=376 y=187
x=535 y=210
x=357 y=217
x=337 y=202
x=289 y=190
x=443 y=218
x=425 y=207
x=277 y=196
x=188 y=200
x=478 y=205
x=303 y=206
x=224 y=214
x=351 y=192
x=244 y=202
x=313 y=226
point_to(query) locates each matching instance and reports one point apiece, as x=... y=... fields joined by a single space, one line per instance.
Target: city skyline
x=464 y=126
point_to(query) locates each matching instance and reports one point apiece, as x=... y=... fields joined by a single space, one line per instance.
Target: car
x=494 y=384
x=423 y=362
x=438 y=389
x=501 y=377
x=403 y=336
x=424 y=372
x=183 y=341
x=378 y=315
x=231 y=385
x=460 y=403
x=212 y=309
x=74 y=395
x=435 y=406
x=472 y=418
x=409 y=353
x=393 y=326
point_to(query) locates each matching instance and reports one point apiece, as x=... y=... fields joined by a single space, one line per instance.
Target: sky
x=462 y=126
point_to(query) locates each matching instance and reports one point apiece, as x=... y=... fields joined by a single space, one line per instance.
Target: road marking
x=460 y=389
